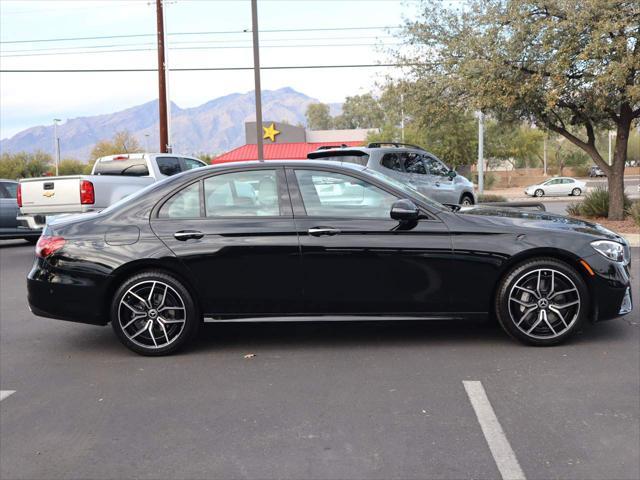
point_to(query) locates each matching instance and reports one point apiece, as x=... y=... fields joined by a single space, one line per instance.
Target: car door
x=444 y=186
x=8 y=207
x=356 y=259
x=553 y=187
x=234 y=231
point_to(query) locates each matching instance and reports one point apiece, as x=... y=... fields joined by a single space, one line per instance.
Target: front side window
x=327 y=194
x=435 y=167
x=184 y=204
x=190 y=163
x=242 y=194
x=168 y=165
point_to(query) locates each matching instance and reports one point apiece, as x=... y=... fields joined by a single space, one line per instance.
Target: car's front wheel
x=466 y=200
x=542 y=302
x=539 y=192
x=153 y=313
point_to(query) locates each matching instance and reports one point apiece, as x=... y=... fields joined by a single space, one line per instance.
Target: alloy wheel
x=152 y=314
x=544 y=303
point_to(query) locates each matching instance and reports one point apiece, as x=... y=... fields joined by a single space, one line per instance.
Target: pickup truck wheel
x=153 y=314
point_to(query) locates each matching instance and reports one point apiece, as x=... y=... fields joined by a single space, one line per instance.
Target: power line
x=207 y=69
x=280 y=30
x=226 y=47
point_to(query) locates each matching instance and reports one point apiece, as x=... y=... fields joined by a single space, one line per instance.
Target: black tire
x=576 y=192
x=543 y=335
x=538 y=193
x=189 y=321
x=466 y=199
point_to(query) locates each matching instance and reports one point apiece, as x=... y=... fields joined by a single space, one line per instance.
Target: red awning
x=277 y=151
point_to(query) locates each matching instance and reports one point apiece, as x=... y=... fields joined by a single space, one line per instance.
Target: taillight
x=87 y=195
x=47 y=245
x=19 y=195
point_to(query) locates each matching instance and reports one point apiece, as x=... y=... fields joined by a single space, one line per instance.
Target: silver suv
x=410 y=164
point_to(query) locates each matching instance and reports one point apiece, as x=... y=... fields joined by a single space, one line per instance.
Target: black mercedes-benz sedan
x=297 y=240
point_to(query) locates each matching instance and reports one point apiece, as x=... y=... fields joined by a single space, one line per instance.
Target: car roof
x=284 y=163
x=7 y=180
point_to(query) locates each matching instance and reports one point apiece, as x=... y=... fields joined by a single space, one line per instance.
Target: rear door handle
x=322 y=231
x=187 y=235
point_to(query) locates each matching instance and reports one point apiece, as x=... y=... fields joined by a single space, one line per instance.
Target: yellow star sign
x=270 y=132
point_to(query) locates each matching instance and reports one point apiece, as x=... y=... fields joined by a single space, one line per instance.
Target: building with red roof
x=289 y=142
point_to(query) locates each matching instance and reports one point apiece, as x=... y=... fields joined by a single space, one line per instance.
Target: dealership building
x=290 y=142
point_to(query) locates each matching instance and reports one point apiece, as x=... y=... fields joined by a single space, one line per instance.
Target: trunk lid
x=50 y=195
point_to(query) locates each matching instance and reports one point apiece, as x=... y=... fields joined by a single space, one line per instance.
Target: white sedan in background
x=557 y=186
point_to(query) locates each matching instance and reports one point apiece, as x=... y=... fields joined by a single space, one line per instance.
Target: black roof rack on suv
x=394 y=144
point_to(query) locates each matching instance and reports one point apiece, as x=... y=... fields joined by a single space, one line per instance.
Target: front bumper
x=610 y=288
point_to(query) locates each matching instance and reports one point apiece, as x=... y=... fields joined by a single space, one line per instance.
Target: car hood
x=509 y=216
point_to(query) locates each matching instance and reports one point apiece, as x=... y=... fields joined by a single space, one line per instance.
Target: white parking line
x=501 y=450
x=5 y=393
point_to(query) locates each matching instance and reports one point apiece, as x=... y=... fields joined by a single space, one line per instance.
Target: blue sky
x=28 y=99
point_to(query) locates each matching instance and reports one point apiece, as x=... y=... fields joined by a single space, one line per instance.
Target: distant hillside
x=214 y=127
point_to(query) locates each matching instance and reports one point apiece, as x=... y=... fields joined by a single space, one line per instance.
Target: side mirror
x=452 y=174
x=405 y=211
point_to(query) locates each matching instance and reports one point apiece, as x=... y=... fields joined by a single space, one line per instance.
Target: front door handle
x=322 y=231
x=183 y=235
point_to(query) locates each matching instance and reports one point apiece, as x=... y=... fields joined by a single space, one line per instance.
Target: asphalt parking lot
x=345 y=400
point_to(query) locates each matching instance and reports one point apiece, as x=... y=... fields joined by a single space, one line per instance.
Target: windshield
x=408 y=190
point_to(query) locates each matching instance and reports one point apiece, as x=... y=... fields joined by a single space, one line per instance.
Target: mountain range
x=213 y=127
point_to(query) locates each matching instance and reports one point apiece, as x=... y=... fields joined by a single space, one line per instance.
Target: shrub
x=580 y=171
x=634 y=211
x=596 y=203
x=489 y=197
x=574 y=210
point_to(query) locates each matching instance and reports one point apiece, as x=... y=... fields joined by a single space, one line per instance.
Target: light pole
x=480 y=152
x=611 y=134
x=146 y=142
x=56 y=143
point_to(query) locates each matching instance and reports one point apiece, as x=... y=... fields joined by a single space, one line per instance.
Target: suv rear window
x=132 y=167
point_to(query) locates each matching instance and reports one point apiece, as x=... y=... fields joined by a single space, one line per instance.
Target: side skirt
x=345 y=318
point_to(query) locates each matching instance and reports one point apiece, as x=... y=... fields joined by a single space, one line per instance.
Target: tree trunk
x=615 y=179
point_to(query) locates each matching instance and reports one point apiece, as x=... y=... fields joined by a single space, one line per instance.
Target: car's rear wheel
x=539 y=192
x=152 y=313
x=542 y=302
x=576 y=192
x=466 y=200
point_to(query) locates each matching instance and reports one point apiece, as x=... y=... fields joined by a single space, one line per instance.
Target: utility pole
x=256 y=74
x=56 y=143
x=480 y=152
x=610 y=135
x=162 y=80
x=402 y=117
x=544 y=155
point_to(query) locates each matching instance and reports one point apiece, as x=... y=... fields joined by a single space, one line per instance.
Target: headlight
x=612 y=250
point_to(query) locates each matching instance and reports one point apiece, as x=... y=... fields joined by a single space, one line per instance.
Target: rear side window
x=168 y=165
x=184 y=204
x=242 y=194
x=133 y=167
x=392 y=162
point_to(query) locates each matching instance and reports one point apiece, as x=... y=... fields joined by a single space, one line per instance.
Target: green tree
x=71 y=166
x=24 y=165
x=206 y=157
x=318 y=117
x=360 y=111
x=122 y=142
x=571 y=66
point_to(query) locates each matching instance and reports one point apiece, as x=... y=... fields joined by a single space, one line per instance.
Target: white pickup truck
x=112 y=178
